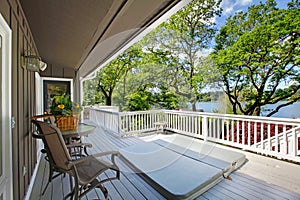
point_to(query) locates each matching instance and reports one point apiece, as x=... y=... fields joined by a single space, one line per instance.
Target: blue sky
x=232 y=6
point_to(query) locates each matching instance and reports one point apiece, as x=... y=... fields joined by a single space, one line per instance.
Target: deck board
x=225 y=191
x=280 y=192
x=260 y=191
x=218 y=193
x=132 y=186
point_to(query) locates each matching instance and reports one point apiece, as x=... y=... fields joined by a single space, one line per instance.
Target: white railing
x=109 y=120
x=279 y=137
x=283 y=142
x=126 y=123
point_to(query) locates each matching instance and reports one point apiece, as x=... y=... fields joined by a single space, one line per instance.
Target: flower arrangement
x=63 y=106
x=66 y=112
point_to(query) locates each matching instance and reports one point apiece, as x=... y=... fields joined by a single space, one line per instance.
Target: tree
x=178 y=43
x=144 y=72
x=91 y=96
x=166 y=99
x=141 y=99
x=256 y=52
x=109 y=76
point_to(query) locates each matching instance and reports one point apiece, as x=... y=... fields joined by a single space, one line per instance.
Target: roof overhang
x=84 y=35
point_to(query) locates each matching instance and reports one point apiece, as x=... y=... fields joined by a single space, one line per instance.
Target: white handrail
x=278 y=137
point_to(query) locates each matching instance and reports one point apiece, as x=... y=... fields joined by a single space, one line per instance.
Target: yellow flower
x=61 y=106
x=77 y=105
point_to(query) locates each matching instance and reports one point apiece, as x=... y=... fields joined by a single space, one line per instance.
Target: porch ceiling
x=83 y=34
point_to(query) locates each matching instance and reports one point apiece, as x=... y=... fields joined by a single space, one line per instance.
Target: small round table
x=82 y=130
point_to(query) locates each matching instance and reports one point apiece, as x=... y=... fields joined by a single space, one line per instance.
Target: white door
x=5 y=112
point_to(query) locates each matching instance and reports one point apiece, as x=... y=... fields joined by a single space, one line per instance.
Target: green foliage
x=109 y=76
x=91 y=96
x=62 y=105
x=142 y=99
x=166 y=99
x=256 y=51
x=177 y=44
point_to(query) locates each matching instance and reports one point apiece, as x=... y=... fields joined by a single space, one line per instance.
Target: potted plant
x=66 y=112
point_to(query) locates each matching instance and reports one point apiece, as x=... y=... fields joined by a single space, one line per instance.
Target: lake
x=291 y=111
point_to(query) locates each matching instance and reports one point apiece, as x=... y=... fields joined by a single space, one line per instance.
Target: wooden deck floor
x=132 y=186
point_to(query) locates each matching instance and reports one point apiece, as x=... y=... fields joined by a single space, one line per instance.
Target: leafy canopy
x=256 y=52
x=178 y=43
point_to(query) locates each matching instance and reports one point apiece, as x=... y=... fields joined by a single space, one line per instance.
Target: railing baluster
x=269 y=138
x=262 y=136
x=249 y=133
x=276 y=138
x=227 y=129
x=294 y=143
x=204 y=128
x=243 y=132
x=285 y=145
x=255 y=135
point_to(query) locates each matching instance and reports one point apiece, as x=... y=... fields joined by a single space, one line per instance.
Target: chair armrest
x=112 y=153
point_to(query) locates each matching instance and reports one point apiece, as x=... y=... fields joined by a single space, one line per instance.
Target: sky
x=232 y=6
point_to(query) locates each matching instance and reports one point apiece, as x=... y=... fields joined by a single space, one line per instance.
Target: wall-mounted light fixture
x=43 y=65
x=33 y=63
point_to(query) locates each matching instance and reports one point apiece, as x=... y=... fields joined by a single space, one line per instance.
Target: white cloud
x=244 y=2
x=227 y=6
x=230 y=6
x=204 y=52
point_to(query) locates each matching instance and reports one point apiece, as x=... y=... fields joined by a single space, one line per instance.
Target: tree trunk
x=234 y=110
x=194 y=106
x=108 y=101
x=257 y=111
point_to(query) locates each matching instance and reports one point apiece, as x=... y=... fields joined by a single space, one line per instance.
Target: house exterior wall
x=23 y=98
x=57 y=71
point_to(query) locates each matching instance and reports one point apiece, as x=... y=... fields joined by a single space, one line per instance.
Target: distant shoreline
x=291 y=111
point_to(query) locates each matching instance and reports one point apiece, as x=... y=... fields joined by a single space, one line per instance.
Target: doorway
x=5 y=110
x=53 y=87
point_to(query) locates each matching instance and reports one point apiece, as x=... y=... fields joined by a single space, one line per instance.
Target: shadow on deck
x=132 y=186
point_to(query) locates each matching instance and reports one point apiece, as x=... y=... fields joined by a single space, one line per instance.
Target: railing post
x=204 y=128
x=119 y=124
x=295 y=141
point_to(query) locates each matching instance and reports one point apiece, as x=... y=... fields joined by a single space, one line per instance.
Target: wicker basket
x=67 y=122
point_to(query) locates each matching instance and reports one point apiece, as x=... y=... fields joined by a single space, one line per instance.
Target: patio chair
x=85 y=170
x=55 y=172
x=76 y=150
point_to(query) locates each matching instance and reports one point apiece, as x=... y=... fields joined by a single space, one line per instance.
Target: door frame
x=6 y=187
x=48 y=80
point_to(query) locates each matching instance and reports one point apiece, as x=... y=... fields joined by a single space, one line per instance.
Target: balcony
x=75 y=38
x=265 y=175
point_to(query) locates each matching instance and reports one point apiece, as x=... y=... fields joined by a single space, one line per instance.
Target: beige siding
x=58 y=71
x=23 y=97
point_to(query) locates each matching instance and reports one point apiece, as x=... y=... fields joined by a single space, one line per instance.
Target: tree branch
x=281 y=106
